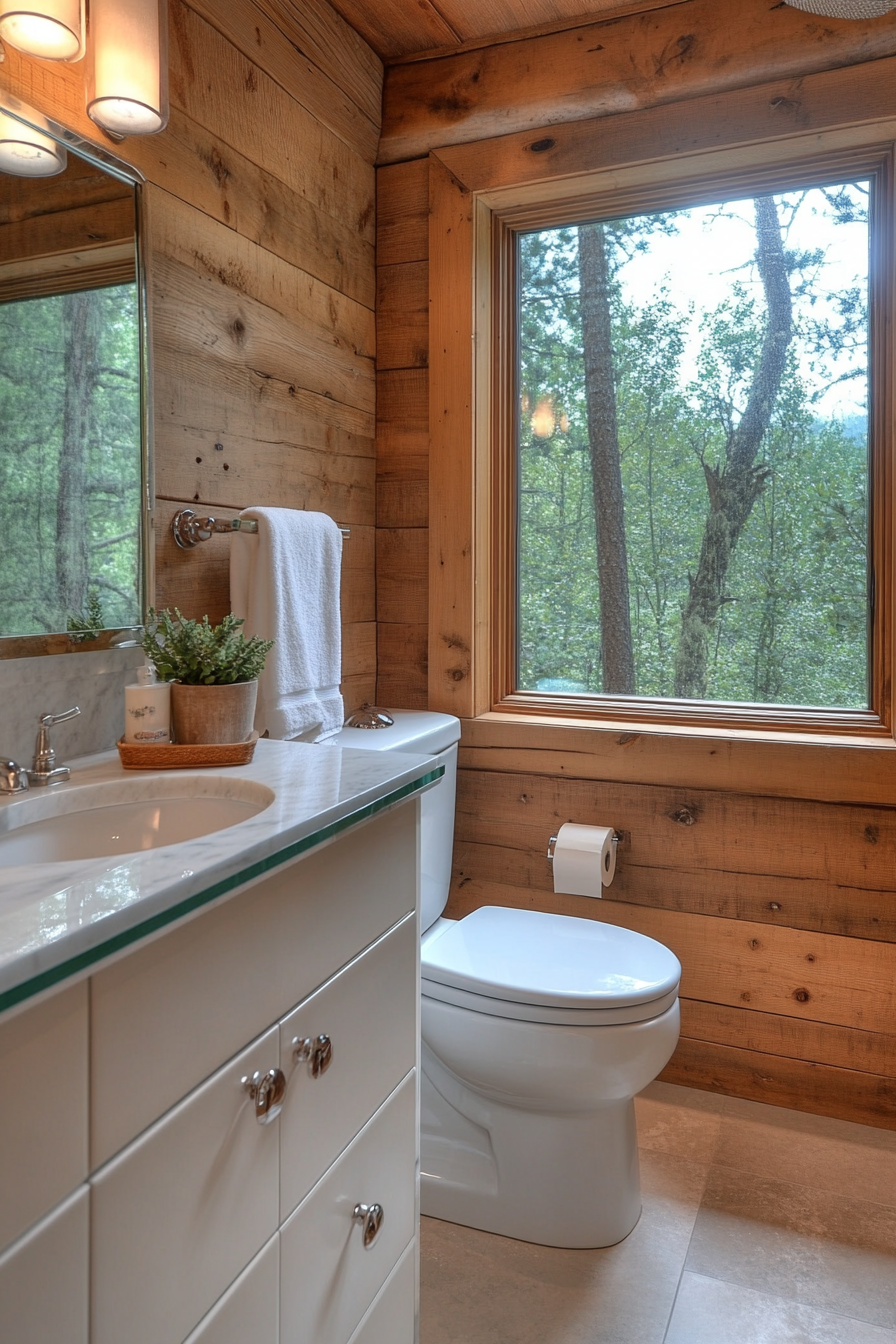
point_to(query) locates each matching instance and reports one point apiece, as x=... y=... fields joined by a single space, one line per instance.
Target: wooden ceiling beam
x=642 y=60
x=394 y=27
x=598 y=11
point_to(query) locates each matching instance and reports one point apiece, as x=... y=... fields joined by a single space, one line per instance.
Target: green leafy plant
x=197 y=653
x=86 y=624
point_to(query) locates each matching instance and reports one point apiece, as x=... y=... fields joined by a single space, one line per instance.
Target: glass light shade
x=53 y=29
x=129 y=88
x=26 y=152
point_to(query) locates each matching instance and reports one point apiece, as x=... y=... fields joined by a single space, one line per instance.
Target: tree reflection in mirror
x=70 y=405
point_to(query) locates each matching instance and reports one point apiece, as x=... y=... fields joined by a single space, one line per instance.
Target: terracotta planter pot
x=213 y=714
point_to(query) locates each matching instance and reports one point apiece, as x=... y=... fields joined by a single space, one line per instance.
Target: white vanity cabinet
x=211 y=1221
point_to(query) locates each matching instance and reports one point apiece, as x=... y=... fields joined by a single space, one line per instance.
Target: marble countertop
x=59 y=919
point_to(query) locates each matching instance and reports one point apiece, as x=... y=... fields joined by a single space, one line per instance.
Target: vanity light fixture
x=52 y=29
x=128 y=92
x=25 y=151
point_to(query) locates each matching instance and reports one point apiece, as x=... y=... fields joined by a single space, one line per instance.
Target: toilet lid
x=524 y=956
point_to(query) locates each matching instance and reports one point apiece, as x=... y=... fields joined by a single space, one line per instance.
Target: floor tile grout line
x=677 y=1291
x=784 y=1297
x=684 y=1260
x=802 y=1185
x=779 y=1297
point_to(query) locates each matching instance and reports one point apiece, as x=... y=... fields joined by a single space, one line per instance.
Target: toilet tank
x=422 y=731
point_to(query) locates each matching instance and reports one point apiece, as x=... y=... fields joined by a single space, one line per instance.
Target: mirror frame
x=30 y=646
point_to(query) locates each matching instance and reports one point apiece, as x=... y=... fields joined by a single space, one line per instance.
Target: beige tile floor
x=760 y=1226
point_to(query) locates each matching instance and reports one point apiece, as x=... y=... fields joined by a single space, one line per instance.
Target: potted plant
x=213 y=672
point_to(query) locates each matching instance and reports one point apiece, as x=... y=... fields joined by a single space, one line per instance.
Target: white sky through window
x=713 y=247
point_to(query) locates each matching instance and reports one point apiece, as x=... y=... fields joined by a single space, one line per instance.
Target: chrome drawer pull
x=316 y=1051
x=370 y=1216
x=267 y=1090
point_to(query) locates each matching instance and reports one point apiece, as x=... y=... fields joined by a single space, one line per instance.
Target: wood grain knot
x=774 y=905
x=541 y=146
x=456 y=674
x=872 y=834
x=755 y=944
x=684 y=817
x=802 y=995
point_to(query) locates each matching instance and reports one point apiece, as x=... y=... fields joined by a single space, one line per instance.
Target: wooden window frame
x=479 y=196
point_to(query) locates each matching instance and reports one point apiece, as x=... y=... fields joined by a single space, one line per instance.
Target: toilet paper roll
x=584 y=859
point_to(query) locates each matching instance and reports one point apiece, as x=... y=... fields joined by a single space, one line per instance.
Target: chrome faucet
x=45 y=770
x=13 y=777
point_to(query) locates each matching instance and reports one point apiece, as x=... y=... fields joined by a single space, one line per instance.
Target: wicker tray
x=173 y=756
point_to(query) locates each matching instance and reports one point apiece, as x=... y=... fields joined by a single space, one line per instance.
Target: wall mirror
x=74 y=443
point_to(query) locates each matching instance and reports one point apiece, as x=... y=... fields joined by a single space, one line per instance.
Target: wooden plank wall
x=402 y=433
x=260 y=225
x=781 y=909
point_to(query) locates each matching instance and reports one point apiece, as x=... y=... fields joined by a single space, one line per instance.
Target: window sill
x=743 y=722
x=828 y=768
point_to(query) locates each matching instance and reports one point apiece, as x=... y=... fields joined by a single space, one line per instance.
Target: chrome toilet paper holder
x=617 y=841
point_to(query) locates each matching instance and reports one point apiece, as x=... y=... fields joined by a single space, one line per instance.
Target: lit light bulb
x=543 y=419
x=26 y=152
x=129 y=87
x=52 y=29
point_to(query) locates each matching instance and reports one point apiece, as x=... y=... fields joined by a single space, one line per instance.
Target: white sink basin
x=97 y=821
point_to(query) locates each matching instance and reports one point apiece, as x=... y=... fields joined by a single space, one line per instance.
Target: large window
x=693 y=451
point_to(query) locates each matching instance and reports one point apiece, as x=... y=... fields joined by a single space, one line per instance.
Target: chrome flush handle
x=370 y=1216
x=315 y=1051
x=267 y=1090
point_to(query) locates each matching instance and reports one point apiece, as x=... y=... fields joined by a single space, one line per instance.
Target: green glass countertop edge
x=72 y=965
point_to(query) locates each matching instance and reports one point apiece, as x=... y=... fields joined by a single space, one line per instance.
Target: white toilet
x=538 y=1031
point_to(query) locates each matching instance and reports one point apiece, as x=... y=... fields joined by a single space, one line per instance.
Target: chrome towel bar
x=189 y=530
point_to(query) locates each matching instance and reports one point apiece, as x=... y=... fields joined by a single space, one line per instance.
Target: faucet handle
x=13 y=777
x=45 y=770
x=50 y=720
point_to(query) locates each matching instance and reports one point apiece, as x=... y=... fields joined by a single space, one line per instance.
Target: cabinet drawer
x=165 y=1017
x=368 y=1012
x=249 y=1312
x=44 y=1279
x=43 y=1140
x=180 y=1213
x=328 y=1278
x=392 y=1319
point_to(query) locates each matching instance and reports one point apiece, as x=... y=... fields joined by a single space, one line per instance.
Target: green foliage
x=35 y=346
x=196 y=653
x=87 y=624
x=794 y=624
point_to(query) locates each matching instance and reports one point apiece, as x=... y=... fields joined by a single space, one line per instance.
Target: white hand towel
x=284 y=582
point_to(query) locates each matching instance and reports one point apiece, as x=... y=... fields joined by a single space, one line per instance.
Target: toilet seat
x=537 y=1012
x=539 y=967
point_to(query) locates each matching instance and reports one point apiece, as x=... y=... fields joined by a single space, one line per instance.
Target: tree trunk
x=617 y=658
x=736 y=485
x=79 y=328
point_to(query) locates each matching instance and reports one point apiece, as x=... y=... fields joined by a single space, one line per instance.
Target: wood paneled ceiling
x=397 y=29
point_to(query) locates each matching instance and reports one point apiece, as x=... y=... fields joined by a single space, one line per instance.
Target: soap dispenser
x=147 y=709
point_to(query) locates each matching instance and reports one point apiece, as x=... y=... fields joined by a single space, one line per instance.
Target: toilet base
x=568 y=1179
